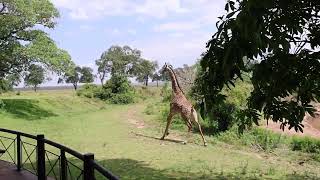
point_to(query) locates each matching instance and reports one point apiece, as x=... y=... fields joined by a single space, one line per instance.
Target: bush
x=257 y=138
x=166 y=92
x=117 y=91
x=264 y=139
x=5 y=86
x=89 y=90
x=305 y=144
x=2 y=104
x=125 y=98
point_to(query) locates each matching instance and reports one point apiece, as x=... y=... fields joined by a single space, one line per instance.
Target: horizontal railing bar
x=24 y=142
x=17 y=132
x=8 y=138
x=103 y=171
x=66 y=149
x=52 y=153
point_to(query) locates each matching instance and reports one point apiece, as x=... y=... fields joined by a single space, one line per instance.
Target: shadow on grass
x=26 y=109
x=157 y=138
x=128 y=169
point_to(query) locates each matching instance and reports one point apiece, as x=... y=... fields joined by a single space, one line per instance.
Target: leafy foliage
x=144 y=70
x=282 y=41
x=118 y=60
x=305 y=144
x=86 y=75
x=4 y=86
x=77 y=74
x=116 y=90
x=22 y=43
x=35 y=76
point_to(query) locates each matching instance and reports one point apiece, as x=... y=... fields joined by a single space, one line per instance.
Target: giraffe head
x=166 y=67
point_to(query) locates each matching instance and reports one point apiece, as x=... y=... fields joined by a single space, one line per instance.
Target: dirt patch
x=133 y=118
x=311 y=125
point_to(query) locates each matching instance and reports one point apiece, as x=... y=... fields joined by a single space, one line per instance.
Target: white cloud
x=176 y=52
x=176 y=26
x=87 y=9
x=132 y=31
x=86 y=27
x=176 y=35
x=116 y=31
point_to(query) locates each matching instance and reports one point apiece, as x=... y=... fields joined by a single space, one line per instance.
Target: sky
x=174 y=31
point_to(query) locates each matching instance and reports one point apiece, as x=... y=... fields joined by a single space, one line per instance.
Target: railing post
x=41 y=161
x=88 y=171
x=19 y=153
x=63 y=165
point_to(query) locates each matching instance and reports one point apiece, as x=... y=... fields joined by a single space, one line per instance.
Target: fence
x=66 y=164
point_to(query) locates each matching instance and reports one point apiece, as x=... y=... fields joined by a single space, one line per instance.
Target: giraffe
x=180 y=105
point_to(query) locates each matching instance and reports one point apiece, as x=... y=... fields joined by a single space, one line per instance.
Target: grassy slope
x=135 y=153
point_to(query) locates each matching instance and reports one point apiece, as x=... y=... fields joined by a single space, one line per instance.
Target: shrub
x=88 y=90
x=257 y=138
x=166 y=92
x=2 y=104
x=125 y=98
x=305 y=144
x=264 y=139
x=117 y=91
x=5 y=86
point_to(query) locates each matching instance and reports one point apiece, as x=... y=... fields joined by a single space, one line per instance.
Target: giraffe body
x=180 y=105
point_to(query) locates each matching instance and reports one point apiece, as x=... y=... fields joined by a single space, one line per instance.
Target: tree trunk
x=35 y=88
x=157 y=83
x=102 y=80
x=75 y=86
x=147 y=79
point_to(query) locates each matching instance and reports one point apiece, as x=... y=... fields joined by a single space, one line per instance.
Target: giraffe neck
x=174 y=82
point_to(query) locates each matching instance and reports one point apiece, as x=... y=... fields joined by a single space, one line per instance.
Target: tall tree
x=186 y=76
x=35 y=76
x=283 y=38
x=104 y=67
x=22 y=39
x=86 y=75
x=77 y=74
x=144 y=70
x=156 y=77
x=118 y=60
x=73 y=76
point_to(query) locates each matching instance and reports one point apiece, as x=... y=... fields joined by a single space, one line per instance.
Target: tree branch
x=3 y=7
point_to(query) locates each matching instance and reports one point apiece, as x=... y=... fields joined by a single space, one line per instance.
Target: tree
x=73 y=76
x=13 y=79
x=118 y=60
x=35 y=76
x=76 y=75
x=284 y=41
x=156 y=77
x=86 y=75
x=22 y=40
x=144 y=70
x=104 y=67
x=186 y=76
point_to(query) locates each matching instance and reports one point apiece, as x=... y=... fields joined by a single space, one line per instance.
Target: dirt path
x=311 y=126
x=133 y=117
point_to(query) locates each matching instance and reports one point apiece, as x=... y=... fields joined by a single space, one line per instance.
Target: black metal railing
x=20 y=151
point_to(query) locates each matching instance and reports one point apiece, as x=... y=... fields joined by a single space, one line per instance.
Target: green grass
x=111 y=132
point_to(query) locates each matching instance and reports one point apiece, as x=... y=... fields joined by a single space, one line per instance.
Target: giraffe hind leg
x=195 y=118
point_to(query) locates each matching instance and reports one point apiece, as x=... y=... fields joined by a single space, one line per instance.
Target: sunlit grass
x=88 y=125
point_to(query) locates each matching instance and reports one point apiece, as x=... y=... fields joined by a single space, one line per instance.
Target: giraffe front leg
x=169 y=119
